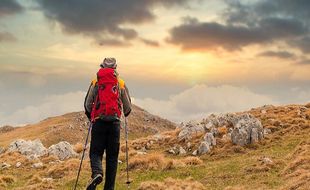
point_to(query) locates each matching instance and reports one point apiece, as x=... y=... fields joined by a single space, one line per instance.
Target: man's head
x=109 y=62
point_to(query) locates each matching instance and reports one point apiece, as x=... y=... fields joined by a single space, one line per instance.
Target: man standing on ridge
x=107 y=98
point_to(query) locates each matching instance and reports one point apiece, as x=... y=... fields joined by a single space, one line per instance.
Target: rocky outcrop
x=247 y=131
x=190 y=129
x=203 y=148
x=63 y=150
x=29 y=148
x=240 y=129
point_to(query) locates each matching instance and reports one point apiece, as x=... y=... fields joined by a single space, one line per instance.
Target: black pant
x=105 y=136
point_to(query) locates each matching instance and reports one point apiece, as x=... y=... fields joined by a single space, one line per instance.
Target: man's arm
x=90 y=98
x=125 y=97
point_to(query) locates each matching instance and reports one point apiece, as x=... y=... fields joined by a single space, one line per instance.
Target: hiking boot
x=94 y=182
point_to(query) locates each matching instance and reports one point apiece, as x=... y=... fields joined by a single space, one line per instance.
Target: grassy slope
x=226 y=166
x=72 y=127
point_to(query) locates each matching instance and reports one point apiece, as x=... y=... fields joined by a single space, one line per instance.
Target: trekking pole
x=127 y=169
x=78 y=175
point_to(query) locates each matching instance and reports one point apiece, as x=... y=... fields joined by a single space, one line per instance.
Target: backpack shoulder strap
x=94 y=81
x=121 y=83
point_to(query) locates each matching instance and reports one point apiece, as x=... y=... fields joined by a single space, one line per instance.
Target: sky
x=180 y=59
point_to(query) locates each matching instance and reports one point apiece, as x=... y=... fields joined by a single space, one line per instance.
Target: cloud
x=150 y=42
x=51 y=106
x=9 y=7
x=304 y=62
x=112 y=42
x=7 y=37
x=103 y=19
x=277 y=54
x=195 y=35
x=244 y=24
x=201 y=100
x=303 y=44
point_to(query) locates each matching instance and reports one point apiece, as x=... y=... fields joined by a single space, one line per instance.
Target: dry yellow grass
x=66 y=168
x=148 y=162
x=192 y=161
x=223 y=130
x=5 y=180
x=297 y=171
x=172 y=184
x=78 y=147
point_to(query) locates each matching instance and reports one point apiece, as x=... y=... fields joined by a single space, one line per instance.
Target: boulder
x=182 y=151
x=63 y=150
x=4 y=165
x=171 y=151
x=18 y=164
x=29 y=148
x=189 y=129
x=209 y=138
x=2 y=150
x=38 y=165
x=203 y=148
x=247 y=130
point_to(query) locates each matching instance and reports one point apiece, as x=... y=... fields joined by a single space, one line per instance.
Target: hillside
x=167 y=161
x=72 y=127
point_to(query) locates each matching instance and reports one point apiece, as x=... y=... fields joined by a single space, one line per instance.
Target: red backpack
x=107 y=105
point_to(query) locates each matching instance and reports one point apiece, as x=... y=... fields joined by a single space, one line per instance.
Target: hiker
x=106 y=100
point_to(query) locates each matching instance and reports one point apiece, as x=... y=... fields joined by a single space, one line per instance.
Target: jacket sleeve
x=90 y=98
x=126 y=100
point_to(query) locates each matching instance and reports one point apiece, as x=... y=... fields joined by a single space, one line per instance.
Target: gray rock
x=38 y=165
x=209 y=138
x=143 y=149
x=189 y=129
x=32 y=157
x=18 y=164
x=158 y=137
x=28 y=148
x=4 y=165
x=215 y=131
x=248 y=130
x=303 y=109
x=188 y=145
x=182 y=151
x=267 y=131
x=195 y=152
x=254 y=135
x=141 y=153
x=209 y=126
x=266 y=160
x=226 y=137
x=2 y=150
x=203 y=148
x=47 y=179
x=171 y=151
x=63 y=150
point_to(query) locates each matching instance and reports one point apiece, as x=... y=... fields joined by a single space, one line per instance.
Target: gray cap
x=109 y=62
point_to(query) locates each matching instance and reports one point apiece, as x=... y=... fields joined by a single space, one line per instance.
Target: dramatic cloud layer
x=262 y=22
x=9 y=7
x=277 y=54
x=201 y=100
x=103 y=19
